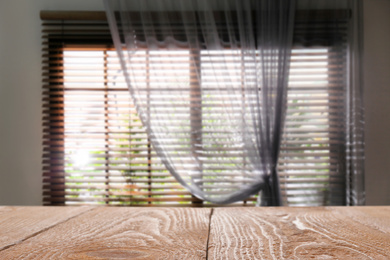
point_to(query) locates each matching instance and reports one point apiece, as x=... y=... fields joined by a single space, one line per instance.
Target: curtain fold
x=355 y=109
x=212 y=95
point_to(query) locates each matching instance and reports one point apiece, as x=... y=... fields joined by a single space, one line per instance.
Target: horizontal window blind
x=310 y=169
x=311 y=163
x=96 y=150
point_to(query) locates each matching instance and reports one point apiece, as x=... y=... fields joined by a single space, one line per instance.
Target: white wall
x=20 y=97
x=377 y=100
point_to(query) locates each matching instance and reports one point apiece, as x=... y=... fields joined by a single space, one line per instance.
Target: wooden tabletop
x=194 y=233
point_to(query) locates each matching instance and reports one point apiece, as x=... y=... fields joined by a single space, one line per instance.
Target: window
x=96 y=150
x=309 y=164
x=105 y=154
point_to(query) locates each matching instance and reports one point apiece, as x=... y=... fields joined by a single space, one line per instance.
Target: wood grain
x=300 y=233
x=121 y=233
x=20 y=223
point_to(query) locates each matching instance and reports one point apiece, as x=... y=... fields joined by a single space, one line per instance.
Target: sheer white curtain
x=209 y=81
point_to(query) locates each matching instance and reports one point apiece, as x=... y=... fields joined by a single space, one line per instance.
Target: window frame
x=52 y=168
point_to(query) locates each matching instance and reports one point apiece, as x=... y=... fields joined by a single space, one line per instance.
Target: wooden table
x=194 y=233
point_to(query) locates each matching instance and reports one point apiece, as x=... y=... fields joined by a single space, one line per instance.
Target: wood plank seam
x=43 y=230
x=208 y=234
